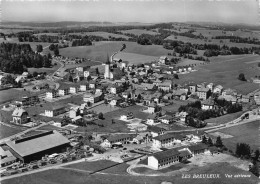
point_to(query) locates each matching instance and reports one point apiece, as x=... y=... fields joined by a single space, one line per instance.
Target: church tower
x=107 y=69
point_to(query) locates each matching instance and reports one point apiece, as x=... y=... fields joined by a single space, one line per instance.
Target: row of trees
x=196 y=115
x=16 y=58
x=237 y=39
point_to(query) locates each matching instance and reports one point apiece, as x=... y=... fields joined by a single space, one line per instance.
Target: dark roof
x=166 y=154
x=168 y=136
x=184 y=153
x=155 y=129
x=199 y=146
x=118 y=137
x=55 y=107
x=37 y=143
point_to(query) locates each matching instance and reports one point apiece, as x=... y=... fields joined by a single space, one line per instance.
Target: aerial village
x=140 y=95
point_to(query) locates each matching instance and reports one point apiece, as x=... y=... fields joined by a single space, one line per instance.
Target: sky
x=145 y=11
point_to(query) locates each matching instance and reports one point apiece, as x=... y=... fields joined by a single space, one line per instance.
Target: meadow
x=210 y=41
x=101 y=34
x=61 y=176
x=138 y=32
x=99 y=50
x=225 y=72
x=245 y=133
x=135 y=58
x=6 y=131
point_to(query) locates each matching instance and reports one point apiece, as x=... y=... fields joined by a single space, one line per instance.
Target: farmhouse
x=156 y=131
x=165 y=86
x=208 y=104
x=28 y=100
x=115 y=100
x=35 y=147
x=83 y=87
x=163 y=60
x=121 y=138
x=203 y=93
x=93 y=98
x=20 y=116
x=55 y=111
x=152 y=119
x=167 y=140
x=198 y=149
x=193 y=88
x=218 y=89
x=166 y=119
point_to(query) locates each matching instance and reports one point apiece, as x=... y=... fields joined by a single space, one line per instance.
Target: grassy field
x=6 y=131
x=60 y=176
x=99 y=165
x=175 y=106
x=187 y=62
x=245 y=133
x=99 y=50
x=135 y=58
x=212 y=41
x=101 y=34
x=9 y=31
x=10 y=94
x=223 y=119
x=138 y=32
x=47 y=34
x=225 y=72
x=118 y=126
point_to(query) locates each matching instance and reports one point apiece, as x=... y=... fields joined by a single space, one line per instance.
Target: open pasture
x=187 y=62
x=47 y=34
x=64 y=176
x=13 y=31
x=135 y=58
x=101 y=34
x=210 y=41
x=245 y=133
x=225 y=72
x=139 y=32
x=6 y=131
x=99 y=50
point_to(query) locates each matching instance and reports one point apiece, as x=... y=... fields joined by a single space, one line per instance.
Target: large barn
x=35 y=147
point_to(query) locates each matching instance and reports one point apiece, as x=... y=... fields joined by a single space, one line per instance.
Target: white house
x=86 y=74
x=218 y=89
x=51 y=94
x=73 y=90
x=208 y=104
x=167 y=140
x=83 y=87
x=63 y=92
x=210 y=86
x=152 y=119
x=162 y=59
x=54 y=111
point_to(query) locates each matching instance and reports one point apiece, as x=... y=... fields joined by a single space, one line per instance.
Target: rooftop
x=166 y=154
x=37 y=143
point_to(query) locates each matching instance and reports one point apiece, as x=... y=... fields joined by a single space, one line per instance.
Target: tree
x=204 y=139
x=254 y=169
x=258 y=64
x=39 y=48
x=70 y=78
x=65 y=121
x=35 y=74
x=113 y=121
x=219 y=142
x=210 y=143
x=257 y=154
x=100 y=115
x=56 y=51
x=176 y=76
x=242 y=77
x=97 y=71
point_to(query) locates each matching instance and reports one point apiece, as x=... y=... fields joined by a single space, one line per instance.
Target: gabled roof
x=166 y=154
x=118 y=137
x=18 y=112
x=156 y=129
x=168 y=136
x=184 y=153
x=199 y=146
x=37 y=143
